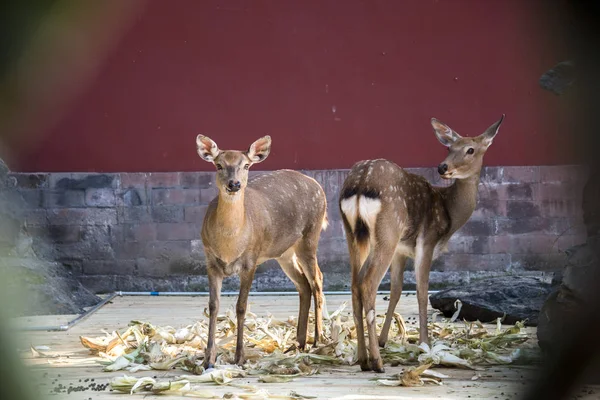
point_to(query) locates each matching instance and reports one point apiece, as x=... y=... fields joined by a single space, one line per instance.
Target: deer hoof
x=293 y=347
x=377 y=366
x=208 y=365
x=382 y=342
x=239 y=357
x=364 y=366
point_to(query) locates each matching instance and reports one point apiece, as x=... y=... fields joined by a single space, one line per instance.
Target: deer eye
x=246 y=166
x=219 y=167
x=471 y=150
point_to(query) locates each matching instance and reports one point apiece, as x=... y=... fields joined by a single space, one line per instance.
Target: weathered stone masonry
x=141 y=231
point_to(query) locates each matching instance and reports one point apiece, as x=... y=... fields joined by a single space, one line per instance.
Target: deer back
x=378 y=195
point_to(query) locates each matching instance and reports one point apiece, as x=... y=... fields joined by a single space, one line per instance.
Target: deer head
x=465 y=153
x=232 y=165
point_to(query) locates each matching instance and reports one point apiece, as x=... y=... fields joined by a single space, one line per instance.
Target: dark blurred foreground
x=47 y=57
x=573 y=357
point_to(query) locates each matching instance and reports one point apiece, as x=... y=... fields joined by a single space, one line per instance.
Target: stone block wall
x=141 y=231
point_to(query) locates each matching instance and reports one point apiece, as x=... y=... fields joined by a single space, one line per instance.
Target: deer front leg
x=423 y=259
x=246 y=278
x=397 y=279
x=215 y=280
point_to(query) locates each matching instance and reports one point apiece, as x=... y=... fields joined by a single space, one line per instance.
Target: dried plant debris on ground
x=188 y=386
x=414 y=376
x=272 y=356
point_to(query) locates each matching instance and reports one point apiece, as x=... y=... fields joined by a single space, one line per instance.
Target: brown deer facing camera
x=390 y=215
x=278 y=216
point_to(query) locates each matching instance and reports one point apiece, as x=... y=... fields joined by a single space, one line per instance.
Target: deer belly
x=277 y=250
x=409 y=251
x=405 y=249
x=440 y=248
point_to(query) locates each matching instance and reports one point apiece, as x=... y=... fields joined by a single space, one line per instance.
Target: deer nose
x=233 y=186
x=442 y=169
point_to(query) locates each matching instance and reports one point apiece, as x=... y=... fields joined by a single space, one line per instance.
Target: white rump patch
x=349 y=207
x=368 y=209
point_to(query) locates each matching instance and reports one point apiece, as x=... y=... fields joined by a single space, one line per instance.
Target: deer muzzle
x=233 y=186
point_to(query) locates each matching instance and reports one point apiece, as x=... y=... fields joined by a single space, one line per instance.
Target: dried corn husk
x=414 y=376
x=270 y=349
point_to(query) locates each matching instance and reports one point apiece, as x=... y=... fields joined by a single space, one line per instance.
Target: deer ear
x=444 y=133
x=490 y=133
x=207 y=148
x=260 y=149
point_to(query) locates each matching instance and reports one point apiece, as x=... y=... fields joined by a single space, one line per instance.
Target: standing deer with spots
x=278 y=215
x=390 y=215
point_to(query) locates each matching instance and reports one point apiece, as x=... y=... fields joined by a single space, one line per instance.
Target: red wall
x=332 y=82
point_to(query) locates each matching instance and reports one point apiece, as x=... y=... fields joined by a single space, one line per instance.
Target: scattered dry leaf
x=271 y=352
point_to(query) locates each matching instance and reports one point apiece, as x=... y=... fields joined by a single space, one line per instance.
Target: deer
x=277 y=215
x=390 y=215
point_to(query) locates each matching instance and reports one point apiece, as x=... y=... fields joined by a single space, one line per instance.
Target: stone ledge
x=271 y=282
x=148 y=224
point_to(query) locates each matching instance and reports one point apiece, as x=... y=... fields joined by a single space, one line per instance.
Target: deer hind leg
x=289 y=265
x=357 y=305
x=370 y=278
x=358 y=251
x=397 y=279
x=307 y=258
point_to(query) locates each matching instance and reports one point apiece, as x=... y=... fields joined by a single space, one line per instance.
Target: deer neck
x=231 y=214
x=461 y=200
